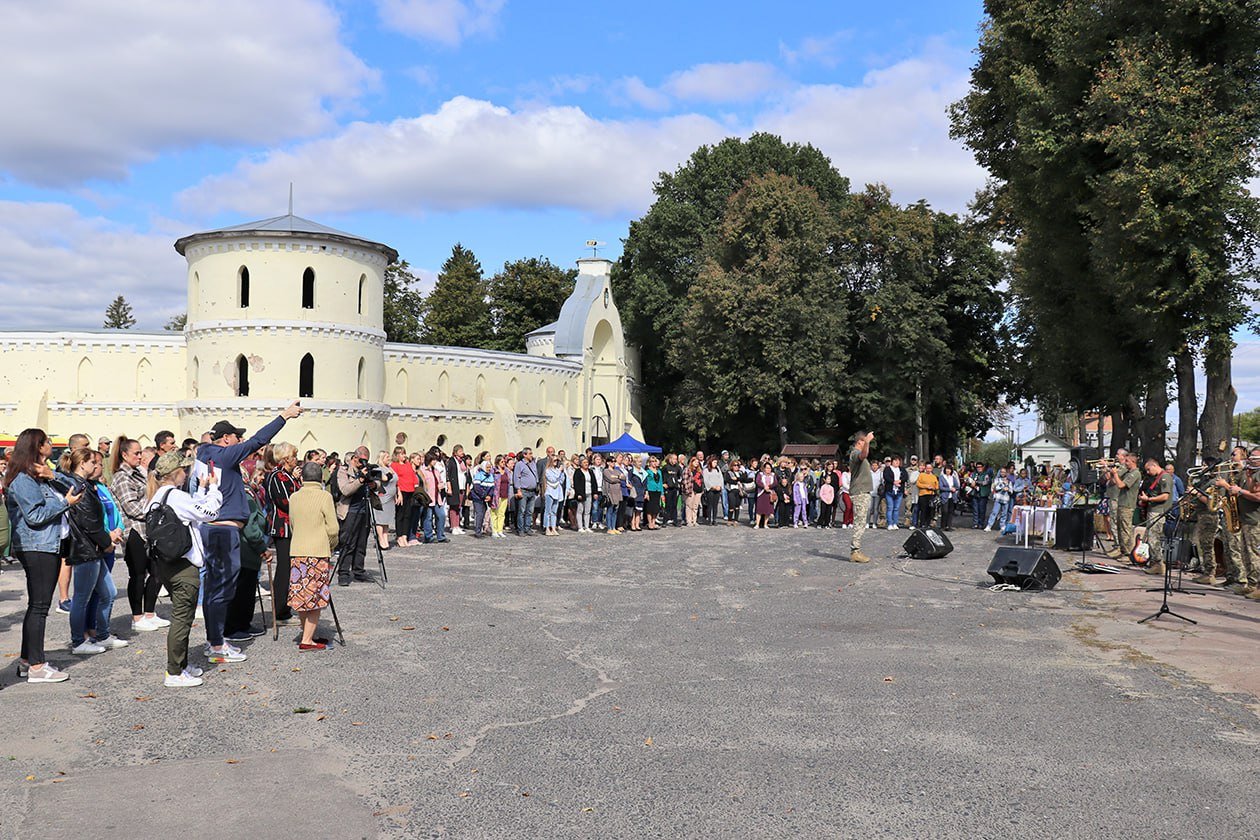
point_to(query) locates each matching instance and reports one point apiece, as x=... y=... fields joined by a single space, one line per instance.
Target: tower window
x=308 y=289
x=242 y=376
x=306 y=376
x=362 y=283
x=361 y=390
x=243 y=296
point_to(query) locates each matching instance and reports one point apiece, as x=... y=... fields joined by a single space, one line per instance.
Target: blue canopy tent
x=627 y=443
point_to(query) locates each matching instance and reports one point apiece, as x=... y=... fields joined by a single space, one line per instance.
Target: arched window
x=444 y=390
x=144 y=379
x=308 y=289
x=306 y=376
x=194 y=292
x=242 y=376
x=243 y=287
x=196 y=375
x=478 y=440
x=83 y=387
x=441 y=440
x=480 y=394
x=514 y=395
x=362 y=283
x=362 y=378
x=542 y=396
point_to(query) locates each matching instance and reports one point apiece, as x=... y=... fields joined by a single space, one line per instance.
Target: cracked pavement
x=705 y=682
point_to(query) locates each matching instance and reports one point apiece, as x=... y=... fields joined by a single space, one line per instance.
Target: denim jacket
x=35 y=509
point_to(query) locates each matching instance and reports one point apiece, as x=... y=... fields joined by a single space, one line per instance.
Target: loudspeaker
x=1027 y=568
x=1074 y=528
x=927 y=544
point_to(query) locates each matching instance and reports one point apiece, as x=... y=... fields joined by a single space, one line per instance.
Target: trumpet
x=1102 y=463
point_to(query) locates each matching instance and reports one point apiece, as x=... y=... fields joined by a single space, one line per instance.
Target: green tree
x=403 y=304
x=118 y=315
x=663 y=254
x=525 y=295
x=457 y=312
x=1247 y=426
x=176 y=323
x=1121 y=137
x=753 y=340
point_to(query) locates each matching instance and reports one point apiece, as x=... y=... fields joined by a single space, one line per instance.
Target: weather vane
x=594 y=246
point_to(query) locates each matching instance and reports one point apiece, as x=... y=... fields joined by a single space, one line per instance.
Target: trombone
x=1221 y=470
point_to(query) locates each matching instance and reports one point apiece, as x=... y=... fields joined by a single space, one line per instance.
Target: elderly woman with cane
x=313 y=522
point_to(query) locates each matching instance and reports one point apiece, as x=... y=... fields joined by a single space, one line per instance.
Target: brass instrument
x=1102 y=463
x=1229 y=507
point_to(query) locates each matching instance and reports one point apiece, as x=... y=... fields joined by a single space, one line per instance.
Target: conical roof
x=286 y=225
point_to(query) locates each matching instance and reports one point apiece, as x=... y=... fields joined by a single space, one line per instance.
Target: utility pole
x=920 y=431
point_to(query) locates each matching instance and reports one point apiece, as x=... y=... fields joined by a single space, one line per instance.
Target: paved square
x=707 y=682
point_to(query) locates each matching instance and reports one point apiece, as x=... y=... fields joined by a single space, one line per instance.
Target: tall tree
x=663 y=254
x=753 y=340
x=525 y=295
x=118 y=315
x=1121 y=136
x=403 y=303
x=176 y=323
x=457 y=312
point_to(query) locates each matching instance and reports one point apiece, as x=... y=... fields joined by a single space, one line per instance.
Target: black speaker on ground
x=1027 y=568
x=927 y=544
x=1074 y=528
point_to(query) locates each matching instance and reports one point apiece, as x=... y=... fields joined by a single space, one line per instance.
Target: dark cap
x=222 y=428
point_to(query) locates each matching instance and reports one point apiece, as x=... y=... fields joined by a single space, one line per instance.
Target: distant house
x=1047 y=449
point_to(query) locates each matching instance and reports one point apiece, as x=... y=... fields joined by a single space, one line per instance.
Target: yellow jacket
x=313 y=522
x=929 y=484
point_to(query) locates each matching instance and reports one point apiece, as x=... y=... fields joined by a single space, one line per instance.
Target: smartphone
x=211 y=470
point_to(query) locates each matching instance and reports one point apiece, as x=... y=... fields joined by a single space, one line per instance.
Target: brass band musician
x=1238 y=565
x=1206 y=524
x=1124 y=476
x=1155 y=497
x=1244 y=487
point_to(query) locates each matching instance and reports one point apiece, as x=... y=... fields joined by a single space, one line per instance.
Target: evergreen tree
x=177 y=322
x=118 y=315
x=457 y=312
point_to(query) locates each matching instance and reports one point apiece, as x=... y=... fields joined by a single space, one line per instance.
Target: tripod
x=370 y=524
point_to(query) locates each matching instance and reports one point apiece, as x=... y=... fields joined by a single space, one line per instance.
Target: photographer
x=352 y=489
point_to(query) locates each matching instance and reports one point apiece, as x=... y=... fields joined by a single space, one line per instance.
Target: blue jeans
x=550 y=512
x=1001 y=510
x=223 y=567
x=978 y=506
x=597 y=513
x=893 y=515
x=94 y=605
x=434 y=523
x=525 y=512
x=611 y=515
x=726 y=510
x=92 y=584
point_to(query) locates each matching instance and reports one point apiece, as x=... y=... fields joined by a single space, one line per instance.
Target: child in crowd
x=800 y=501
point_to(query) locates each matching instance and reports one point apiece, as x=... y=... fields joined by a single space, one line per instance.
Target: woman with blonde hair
x=384 y=512
x=278 y=487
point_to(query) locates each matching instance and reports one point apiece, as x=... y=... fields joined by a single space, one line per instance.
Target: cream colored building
x=285 y=308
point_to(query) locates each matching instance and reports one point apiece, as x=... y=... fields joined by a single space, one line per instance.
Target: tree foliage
x=176 y=323
x=1120 y=137
x=457 y=311
x=118 y=315
x=898 y=305
x=525 y=295
x=403 y=303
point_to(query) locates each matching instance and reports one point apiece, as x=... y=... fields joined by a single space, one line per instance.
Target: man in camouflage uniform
x=861 y=483
x=1245 y=487
x=1113 y=499
x=1236 y=565
x=1206 y=524
x=1127 y=477
x=1157 y=496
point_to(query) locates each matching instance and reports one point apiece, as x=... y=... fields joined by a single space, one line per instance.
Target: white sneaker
x=193 y=671
x=112 y=642
x=208 y=650
x=87 y=649
x=227 y=653
x=157 y=621
x=182 y=680
x=457 y=531
x=47 y=674
x=144 y=625
x=988 y=527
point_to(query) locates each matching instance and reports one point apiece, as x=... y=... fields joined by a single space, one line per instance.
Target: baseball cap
x=223 y=427
x=171 y=461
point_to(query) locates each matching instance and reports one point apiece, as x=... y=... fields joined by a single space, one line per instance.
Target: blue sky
x=517 y=128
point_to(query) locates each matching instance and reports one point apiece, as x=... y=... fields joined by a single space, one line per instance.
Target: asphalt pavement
x=706 y=682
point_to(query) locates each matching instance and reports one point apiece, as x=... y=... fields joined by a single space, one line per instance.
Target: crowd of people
x=201 y=518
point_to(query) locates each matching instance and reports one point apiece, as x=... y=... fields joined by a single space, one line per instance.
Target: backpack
x=168 y=537
x=334 y=486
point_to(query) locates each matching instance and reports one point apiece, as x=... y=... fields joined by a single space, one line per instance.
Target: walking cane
x=341 y=639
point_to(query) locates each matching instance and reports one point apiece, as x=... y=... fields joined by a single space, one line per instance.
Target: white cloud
x=817 y=49
x=445 y=21
x=93 y=88
x=60 y=269
x=892 y=128
x=634 y=90
x=742 y=81
x=469 y=153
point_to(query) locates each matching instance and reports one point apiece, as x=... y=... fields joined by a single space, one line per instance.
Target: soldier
x=1246 y=488
x=860 y=487
x=1206 y=524
x=1109 y=477
x=1126 y=477
x=1237 y=567
x=1156 y=496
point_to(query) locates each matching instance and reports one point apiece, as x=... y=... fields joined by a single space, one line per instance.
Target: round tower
x=287 y=308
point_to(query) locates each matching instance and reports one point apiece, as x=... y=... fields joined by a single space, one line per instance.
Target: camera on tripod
x=373 y=474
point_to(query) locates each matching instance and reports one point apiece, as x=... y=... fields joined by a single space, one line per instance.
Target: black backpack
x=168 y=537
